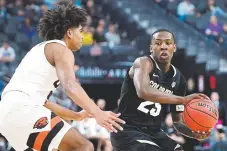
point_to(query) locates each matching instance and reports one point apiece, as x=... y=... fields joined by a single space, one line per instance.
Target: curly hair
x=55 y=22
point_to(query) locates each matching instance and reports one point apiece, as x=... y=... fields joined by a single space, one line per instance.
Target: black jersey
x=139 y=112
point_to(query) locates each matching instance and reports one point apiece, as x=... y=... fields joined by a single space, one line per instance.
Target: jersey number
x=153 y=111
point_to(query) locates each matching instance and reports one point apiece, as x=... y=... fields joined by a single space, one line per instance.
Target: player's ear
x=175 y=48
x=69 y=33
x=151 y=49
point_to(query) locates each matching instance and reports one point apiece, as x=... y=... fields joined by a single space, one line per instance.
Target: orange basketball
x=201 y=115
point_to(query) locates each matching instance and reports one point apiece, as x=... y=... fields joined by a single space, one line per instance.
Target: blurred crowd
x=207 y=16
x=18 y=20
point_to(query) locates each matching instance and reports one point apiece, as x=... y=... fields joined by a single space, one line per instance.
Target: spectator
x=27 y=28
x=18 y=9
x=7 y=54
x=223 y=38
x=214 y=28
x=90 y=7
x=190 y=86
x=184 y=9
x=221 y=107
x=44 y=9
x=224 y=29
x=218 y=139
x=87 y=36
x=112 y=36
x=224 y=33
x=96 y=50
x=3 y=12
x=89 y=21
x=102 y=23
x=214 y=9
x=92 y=11
x=99 y=35
x=101 y=103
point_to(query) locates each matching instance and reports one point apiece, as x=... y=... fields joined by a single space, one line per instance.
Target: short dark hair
x=55 y=22
x=162 y=30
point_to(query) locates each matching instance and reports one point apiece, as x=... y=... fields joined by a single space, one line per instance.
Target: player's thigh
x=73 y=140
x=132 y=140
x=33 y=126
x=140 y=147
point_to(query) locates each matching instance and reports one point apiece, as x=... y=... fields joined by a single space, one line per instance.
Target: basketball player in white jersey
x=27 y=120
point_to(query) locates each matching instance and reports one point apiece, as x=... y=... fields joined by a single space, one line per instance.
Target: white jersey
x=34 y=76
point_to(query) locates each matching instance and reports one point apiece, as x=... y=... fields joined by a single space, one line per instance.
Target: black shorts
x=136 y=139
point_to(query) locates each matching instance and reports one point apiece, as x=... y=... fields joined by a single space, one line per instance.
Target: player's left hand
x=84 y=114
x=201 y=135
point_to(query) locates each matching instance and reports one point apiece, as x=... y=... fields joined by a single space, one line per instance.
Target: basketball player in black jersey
x=151 y=86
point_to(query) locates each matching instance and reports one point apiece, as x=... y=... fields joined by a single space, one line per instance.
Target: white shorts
x=31 y=127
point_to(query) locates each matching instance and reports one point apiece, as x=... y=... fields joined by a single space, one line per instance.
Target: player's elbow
x=142 y=93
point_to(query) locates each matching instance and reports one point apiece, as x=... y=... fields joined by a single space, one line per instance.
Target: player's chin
x=77 y=48
x=164 y=61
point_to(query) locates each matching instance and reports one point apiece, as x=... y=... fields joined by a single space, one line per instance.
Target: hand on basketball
x=188 y=98
x=201 y=135
x=109 y=120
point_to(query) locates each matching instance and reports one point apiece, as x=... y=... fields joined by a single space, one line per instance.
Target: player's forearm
x=183 y=129
x=155 y=95
x=79 y=96
x=63 y=112
x=179 y=125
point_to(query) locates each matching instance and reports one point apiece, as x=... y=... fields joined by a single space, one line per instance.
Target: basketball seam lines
x=203 y=112
x=195 y=121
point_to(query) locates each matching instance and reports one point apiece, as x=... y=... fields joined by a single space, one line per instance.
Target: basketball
x=201 y=115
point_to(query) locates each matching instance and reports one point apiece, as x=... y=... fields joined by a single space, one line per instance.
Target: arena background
x=118 y=31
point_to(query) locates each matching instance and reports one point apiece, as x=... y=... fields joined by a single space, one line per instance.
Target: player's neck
x=64 y=41
x=164 y=67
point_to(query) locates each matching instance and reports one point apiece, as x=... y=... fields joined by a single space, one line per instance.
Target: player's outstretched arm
x=65 y=113
x=179 y=125
x=63 y=60
x=140 y=71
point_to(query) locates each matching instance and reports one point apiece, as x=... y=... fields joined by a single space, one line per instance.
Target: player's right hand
x=188 y=98
x=109 y=120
